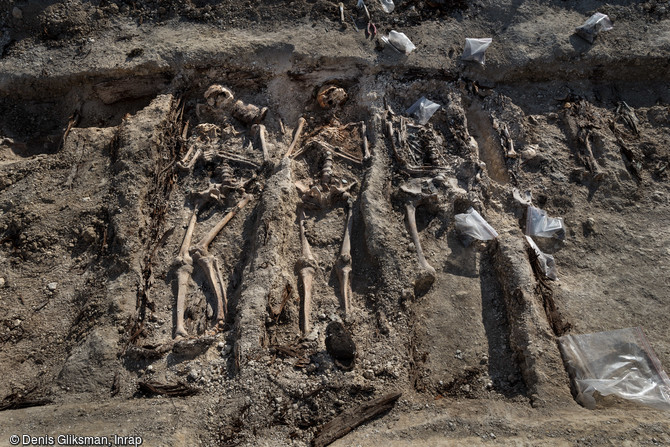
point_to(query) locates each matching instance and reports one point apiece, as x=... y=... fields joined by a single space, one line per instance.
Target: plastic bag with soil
x=593 y=26
x=399 y=41
x=475 y=48
x=541 y=225
x=423 y=110
x=620 y=363
x=387 y=5
x=547 y=262
x=474 y=225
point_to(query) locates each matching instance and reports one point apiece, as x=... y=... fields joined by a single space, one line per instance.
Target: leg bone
x=307 y=266
x=296 y=137
x=343 y=265
x=260 y=130
x=210 y=265
x=427 y=274
x=184 y=271
x=366 y=149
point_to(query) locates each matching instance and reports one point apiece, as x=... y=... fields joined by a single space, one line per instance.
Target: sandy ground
x=102 y=100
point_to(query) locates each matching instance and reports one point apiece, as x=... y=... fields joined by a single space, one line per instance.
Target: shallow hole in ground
x=490 y=150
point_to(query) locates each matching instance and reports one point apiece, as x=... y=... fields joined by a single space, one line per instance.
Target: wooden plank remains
x=348 y=420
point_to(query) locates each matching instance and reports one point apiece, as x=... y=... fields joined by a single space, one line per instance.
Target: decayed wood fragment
x=352 y=418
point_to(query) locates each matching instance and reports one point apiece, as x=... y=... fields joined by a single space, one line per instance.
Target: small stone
x=369 y=374
x=529 y=152
x=150 y=368
x=220 y=345
x=2 y=282
x=52 y=286
x=89 y=235
x=459 y=354
x=17 y=13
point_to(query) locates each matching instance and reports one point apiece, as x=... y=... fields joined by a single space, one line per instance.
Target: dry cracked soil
x=243 y=266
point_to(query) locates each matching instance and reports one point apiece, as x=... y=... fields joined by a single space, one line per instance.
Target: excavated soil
x=109 y=148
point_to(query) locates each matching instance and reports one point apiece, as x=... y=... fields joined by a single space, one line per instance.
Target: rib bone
x=343 y=265
x=307 y=266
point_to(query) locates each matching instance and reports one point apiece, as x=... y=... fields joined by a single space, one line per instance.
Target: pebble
x=369 y=374
x=2 y=282
x=529 y=153
x=52 y=286
x=17 y=13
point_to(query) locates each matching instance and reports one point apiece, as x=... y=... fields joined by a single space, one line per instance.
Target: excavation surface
x=200 y=270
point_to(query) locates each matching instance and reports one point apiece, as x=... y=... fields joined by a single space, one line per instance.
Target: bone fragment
x=341 y=7
x=260 y=131
x=248 y=113
x=296 y=137
x=511 y=153
x=327 y=169
x=343 y=265
x=307 y=266
x=188 y=166
x=218 y=96
x=236 y=158
x=364 y=135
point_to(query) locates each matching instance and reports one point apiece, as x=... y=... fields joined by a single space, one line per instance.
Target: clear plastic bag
x=474 y=225
x=618 y=362
x=399 y=41
x=475 y=48
x=423 y=109
x=387 y=6
x=547 y=262
x=593 y=26
x=541 y=225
